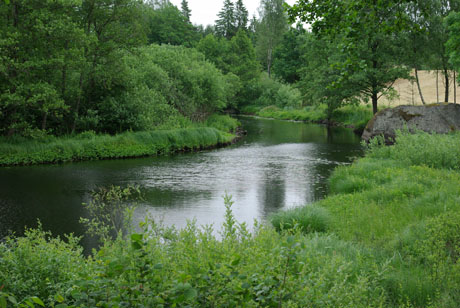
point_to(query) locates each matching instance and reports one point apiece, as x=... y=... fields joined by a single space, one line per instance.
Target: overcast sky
x=205 y=12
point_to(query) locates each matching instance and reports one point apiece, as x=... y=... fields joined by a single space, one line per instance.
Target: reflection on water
x=278 y=165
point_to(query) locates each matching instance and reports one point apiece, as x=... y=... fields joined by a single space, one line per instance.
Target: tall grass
x=356 y=116
x=129 y=144
x=216 y=130
x=403 y=202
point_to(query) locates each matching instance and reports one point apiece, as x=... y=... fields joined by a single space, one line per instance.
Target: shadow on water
x=278 y=165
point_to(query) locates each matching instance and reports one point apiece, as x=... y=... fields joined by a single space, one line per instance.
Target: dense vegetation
x=388 y=236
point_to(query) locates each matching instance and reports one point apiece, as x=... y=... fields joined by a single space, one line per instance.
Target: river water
x=278 y=165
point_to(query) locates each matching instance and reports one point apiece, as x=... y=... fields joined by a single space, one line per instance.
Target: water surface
x=278 y=165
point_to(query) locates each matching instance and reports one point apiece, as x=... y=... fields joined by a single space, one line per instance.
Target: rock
x=436 y=118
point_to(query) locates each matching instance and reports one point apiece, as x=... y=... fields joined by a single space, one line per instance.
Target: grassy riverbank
x=403 y=203
x=387 y=236
x=89 y=146
x=353 y=116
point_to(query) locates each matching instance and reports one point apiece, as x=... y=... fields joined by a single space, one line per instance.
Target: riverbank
x=89 y=146
x=401 y=203
x=355 y=117
x=387 y=236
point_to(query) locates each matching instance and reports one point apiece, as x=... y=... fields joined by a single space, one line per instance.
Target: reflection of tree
x=271 y=191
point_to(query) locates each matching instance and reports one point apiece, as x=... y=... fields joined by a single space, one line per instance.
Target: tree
x=168 y=25
x=185 y=10
x=287 y=57
x=225 y=24
x=438 y=35
x=368 y=32
x=270 y=30
x=321 y=80
x=241 y=16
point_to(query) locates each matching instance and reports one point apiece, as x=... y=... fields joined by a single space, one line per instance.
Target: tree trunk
x=269 y=61
x=374 y=102
x=446 y=80
x=77 y=108
x=45 y=117
x=437 y=86
x=455 y=88
x=418 y=86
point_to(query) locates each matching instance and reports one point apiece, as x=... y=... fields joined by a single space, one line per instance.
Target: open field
x=409 y=95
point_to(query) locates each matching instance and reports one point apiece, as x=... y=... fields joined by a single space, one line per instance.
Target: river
x=278 y=165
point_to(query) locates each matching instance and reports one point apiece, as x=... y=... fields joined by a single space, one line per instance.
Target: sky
x=205 y=12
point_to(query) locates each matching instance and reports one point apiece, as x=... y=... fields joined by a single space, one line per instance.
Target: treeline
x=110 y=66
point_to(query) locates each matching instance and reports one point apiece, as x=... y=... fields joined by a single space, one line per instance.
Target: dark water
x=278 y=165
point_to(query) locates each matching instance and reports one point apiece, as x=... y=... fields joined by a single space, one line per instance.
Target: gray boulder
x=437 y=118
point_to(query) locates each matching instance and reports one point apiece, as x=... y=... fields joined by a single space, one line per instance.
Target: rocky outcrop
x=437 y=118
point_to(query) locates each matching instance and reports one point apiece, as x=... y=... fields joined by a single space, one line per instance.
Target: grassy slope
x=88 y=146
x=403 y=202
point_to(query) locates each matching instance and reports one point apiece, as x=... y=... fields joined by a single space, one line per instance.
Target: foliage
x=225 y=24
x=163 y=267
x=169 y=25
x=287 y=57
x=223 y=123
x=367 y=33
x=270 y=29
x=273 y=92
x=110 y=211
x=349 y=115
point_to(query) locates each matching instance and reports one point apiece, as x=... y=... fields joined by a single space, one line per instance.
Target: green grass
x=89 y=146
x=129 y=144
x=403 y=202
x=356 y=116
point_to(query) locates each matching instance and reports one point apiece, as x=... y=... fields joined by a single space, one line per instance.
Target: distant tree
x=168 y=25
x=321 y=80
x=438 y=35
x=241 y=16
x=186 y=10
x=367 y=33
x=225 y=24
x=287 y=57
x=215 y=50
x=270 y=30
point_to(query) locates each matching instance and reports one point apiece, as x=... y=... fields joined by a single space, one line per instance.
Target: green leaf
x=37 y=301
x=136 y=237
x=61 y=306
x=7 y=1
x=190 y=294
x=59 y=298
x=12 y=300
x=30 y=304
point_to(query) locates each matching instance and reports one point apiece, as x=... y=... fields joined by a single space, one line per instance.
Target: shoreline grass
x=355 y=117
x=89 y=146
x=403 y=202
